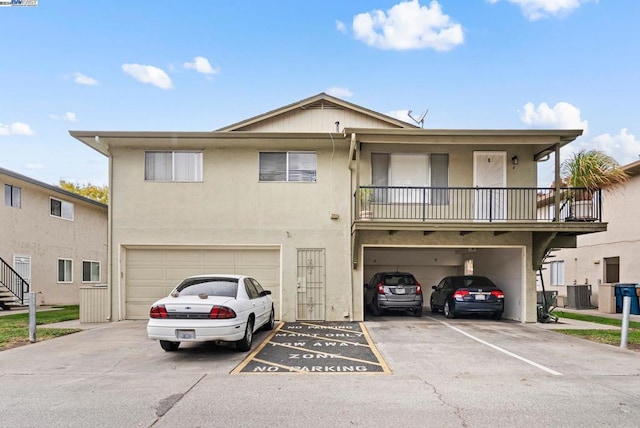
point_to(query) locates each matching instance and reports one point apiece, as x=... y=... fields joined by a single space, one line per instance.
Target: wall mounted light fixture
x=515 y=160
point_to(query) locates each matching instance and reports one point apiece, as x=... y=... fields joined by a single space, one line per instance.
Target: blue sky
x=200 y=65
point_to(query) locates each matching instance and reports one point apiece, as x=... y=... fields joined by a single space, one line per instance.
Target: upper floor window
x=288 y=166
x=65 y=270
x=90 y=271
x=408 y=174
x=12 y=196
x=173 y=166
x=61 y=209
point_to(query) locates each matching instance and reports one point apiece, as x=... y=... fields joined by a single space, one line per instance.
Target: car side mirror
x=435 y=287
x=265 y=292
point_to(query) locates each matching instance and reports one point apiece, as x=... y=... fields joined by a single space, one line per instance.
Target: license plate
x=480 y=297
x=186 y=334
x=400 y=290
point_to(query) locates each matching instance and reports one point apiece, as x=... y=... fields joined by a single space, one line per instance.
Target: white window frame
x=92 y=264
x=66 y=209
x=12 y=196
x=66 y=271
x=177 y=175
x=287 y=170
x=556 y=272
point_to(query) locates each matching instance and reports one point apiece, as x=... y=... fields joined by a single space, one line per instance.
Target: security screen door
x=311 y=276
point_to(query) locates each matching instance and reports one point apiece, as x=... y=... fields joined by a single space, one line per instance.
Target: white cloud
x=538 y=9
x=16 y=128
x=81 y=79
x=561 y=116
x=34 y=166
x=148 y=74
x=201 y=65
x=341 y=27
x=339 y=92
x=623 y=147
x=68 y=116
x=408 y=25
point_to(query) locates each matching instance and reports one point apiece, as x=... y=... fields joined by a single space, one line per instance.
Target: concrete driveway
x=463 y=372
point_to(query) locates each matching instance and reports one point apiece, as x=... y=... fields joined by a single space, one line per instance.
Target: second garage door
x=151 y=273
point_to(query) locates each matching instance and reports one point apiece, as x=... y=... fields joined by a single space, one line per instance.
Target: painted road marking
x=504 y=351
x=323 y=347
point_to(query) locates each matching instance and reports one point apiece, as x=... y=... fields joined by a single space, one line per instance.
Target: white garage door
x=152 y=273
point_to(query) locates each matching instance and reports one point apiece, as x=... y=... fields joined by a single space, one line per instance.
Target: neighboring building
x=608 y=257
x=54 y=239
x=282 y=197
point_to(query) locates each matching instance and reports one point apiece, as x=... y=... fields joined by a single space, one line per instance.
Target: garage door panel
x=152 y=273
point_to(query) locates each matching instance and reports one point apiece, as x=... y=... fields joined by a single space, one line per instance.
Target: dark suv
x=393 y=291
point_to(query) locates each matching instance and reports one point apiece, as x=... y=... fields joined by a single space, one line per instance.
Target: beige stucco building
x=282 y=197
x=55 y=240
x=608 y=257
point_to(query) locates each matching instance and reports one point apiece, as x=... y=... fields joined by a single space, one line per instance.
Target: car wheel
x=169 y=346
x=448 y=312
x=271 y=323
x=497 y=315
x=418 y=312
x=434 y=309
x=244 y=344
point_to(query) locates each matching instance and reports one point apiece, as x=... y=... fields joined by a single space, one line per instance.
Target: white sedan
x=204 y=308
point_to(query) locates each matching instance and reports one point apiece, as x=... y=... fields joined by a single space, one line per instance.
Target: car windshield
x=399 y=279
x=224 y=287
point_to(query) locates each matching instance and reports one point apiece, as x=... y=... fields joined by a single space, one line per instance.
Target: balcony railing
x=489 y=204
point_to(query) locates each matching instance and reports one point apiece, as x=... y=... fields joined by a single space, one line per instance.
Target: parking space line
x=504 y=351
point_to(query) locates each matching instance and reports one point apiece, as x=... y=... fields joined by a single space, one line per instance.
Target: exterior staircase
x=13 y=288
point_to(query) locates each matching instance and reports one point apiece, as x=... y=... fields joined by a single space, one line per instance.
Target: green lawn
x=14 y=328
x=610 y=337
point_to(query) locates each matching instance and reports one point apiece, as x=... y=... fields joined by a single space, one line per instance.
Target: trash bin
x=622 y=290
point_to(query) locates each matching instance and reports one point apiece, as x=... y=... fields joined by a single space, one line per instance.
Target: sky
x=200 y=65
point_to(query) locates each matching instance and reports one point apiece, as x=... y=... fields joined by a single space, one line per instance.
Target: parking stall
x=302 y=347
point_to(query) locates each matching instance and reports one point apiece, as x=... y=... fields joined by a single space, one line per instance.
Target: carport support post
x=32 y=317
x=626 y=309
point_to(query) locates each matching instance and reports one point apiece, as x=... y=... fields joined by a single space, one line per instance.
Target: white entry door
x=22 y=265
x=490 y=180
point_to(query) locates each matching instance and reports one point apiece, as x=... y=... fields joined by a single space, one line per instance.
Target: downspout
x=354 y=147
x=109 y=237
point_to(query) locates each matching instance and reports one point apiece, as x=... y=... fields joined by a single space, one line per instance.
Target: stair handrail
x=12 y=281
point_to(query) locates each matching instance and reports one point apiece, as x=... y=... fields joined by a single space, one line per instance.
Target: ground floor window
x=557 y=272
x=90 y=271
x=65 y=270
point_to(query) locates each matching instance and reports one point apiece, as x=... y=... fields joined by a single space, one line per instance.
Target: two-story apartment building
x=314 y=197
x=53 y=239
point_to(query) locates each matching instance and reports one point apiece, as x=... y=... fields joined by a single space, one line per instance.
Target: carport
x=504 y=265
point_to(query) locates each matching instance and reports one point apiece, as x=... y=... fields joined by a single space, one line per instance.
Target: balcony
x=501 y=208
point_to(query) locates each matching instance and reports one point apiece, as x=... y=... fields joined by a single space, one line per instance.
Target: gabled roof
x=51 y=188
x=322 y=99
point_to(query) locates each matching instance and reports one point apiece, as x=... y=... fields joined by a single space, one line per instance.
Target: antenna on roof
x=420 y=120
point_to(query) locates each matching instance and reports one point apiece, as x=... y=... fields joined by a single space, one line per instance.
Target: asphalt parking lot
x=462 y=372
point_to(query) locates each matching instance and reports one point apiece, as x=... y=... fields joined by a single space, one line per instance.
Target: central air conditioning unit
x=579 y=296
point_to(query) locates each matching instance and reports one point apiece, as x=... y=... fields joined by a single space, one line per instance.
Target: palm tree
x=592 y=170
x=585 y=172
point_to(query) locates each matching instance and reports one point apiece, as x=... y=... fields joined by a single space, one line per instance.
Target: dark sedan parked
x=467 y=294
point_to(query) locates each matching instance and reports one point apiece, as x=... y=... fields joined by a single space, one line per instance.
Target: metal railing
x=490 y=204
x=13 y=282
